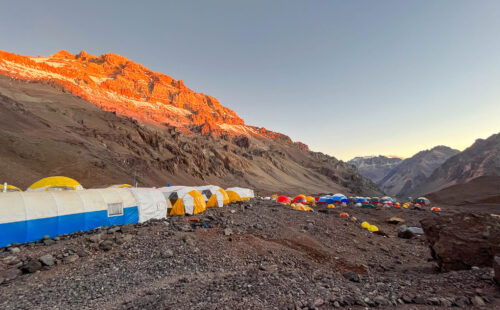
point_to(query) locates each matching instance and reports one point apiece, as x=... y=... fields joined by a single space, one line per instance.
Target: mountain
x=375 y=168
x=115 y=83
x=481 y=159
x=481 y=190
x=411 y=172
x=106 y=120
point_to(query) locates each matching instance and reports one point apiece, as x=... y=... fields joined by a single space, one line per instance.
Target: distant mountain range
x=436 y=169
x=375 y=167
x=481 y=159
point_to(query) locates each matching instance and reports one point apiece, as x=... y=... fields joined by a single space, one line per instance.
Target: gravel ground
x=253 y=255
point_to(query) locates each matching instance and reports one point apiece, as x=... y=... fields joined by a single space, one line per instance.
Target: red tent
x=283 y=199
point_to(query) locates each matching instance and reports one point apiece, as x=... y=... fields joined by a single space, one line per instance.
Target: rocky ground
x=251 y=255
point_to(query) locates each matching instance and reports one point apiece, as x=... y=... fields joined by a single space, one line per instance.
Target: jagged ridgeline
x=107 y=120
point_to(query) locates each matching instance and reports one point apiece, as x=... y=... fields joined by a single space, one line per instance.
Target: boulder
x=10 y=274
x=463 y=240
x=352 y=276
x=71 y=258
x=31 y=266
x=395 y=220
x=47 y=260
x=496 y=268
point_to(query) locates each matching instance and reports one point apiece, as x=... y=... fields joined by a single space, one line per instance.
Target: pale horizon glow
x=348 y=78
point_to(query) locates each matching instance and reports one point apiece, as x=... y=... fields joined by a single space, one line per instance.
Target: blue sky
x=348 y=78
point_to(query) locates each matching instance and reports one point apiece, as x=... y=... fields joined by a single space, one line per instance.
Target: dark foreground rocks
x=463 y=240
x=249 y=255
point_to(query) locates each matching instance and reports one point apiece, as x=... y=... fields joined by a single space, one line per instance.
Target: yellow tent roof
x=10 y=188
x=55 y=182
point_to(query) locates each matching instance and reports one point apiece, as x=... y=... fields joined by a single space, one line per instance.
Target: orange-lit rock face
x=115 y=83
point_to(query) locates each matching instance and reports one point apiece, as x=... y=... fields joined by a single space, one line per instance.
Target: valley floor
x=255 y=255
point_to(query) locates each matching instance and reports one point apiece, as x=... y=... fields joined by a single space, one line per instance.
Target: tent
x=213 y=195
x=185 y=200
x=239 y=193
x=337 y=198
x=151 y=203
x=361 y=200
x=29 y=216
x=283 y=199
x=300 y=199
x=120 y=186
x=300 y=207
x=55 y=183
x=422 y=201
x=310 y=200
x=9 y=188
x=375 y=200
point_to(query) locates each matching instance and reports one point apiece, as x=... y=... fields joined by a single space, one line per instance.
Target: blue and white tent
x=337 y=198
x=29 y=216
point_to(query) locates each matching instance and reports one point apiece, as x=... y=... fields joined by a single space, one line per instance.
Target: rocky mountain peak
x=117 y=84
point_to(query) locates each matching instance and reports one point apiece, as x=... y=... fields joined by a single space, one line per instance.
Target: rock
x=463 y=240
x=11 y=260
x=114 y=229
x=188 y=240
x=14 y=250
x=268 y=267
x=95 y=238
x=46 y=237
x=352 y=276
x=336 y=304
x=167 y=253
x=419 y=300
x=496 y=268
x=128 y=229
x=478 y=301
x=395 y=220
x=10 y=274
x=318 y=302
x=416 y=230
x=228 y=232
x=31 y=266
x=106 y=245
x=381 y=301
x=48 y=242
x=406 y=234
x=47 y=260
x=445 y=302
x=71 y=258
x=81 y=253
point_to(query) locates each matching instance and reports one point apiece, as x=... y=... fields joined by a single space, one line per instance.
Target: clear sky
x=348 y=78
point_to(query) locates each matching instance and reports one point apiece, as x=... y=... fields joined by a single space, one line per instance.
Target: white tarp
x=242 y=192
x=151 y=203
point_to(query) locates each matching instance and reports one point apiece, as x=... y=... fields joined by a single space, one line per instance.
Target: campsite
x=282 y=155
x=246 y=252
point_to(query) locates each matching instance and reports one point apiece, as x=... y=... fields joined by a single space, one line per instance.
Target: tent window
x=115 y=209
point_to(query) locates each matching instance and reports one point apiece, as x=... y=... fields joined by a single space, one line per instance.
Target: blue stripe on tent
x=33 y=230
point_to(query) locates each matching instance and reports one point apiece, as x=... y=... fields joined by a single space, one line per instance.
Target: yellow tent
x=300 y=207
x=10 y=188
x=55 y=183
x=120 y=186
x=239 y=193
x=214 y=195
x=185 y=200
x=310 y=200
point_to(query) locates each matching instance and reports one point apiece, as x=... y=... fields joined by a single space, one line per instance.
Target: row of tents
x=64 y=207
x=341 y=199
